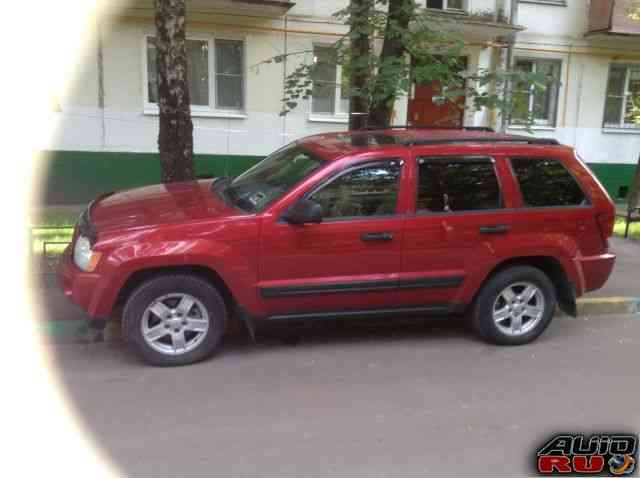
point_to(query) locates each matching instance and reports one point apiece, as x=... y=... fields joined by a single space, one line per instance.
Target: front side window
x=367 y=191
x=457 y=184
x=271 y=178
x=545 y=182
x=329 y=95
x=622 y=108
x=227 y=74
x=533 y=103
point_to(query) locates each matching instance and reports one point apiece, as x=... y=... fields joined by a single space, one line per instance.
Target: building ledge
x=150 y=111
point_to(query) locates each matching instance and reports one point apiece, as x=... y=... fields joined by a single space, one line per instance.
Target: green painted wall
x=614 y=177
x=76 y=177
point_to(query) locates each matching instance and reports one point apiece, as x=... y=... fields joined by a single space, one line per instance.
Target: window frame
x=463 y=159
x=338 y=116
x=551 y=122
x=373 y=162
x=523 y=203
x=199 y=110
x=621 y=125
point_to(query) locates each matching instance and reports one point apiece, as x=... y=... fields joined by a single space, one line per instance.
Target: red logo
x=597 y=455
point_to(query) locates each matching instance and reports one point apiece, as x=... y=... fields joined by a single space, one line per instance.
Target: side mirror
x=304 y=212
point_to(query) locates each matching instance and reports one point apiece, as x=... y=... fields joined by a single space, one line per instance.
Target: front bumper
x=81 y=288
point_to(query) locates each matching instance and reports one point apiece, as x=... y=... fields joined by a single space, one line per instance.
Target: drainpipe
x=100 y=65
x=284 y=75
x=507 y=60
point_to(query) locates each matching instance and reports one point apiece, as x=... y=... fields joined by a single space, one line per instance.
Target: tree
x=416 y=47
x=175 y=139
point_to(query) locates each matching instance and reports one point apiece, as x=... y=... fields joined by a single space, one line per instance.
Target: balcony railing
x=614 y=17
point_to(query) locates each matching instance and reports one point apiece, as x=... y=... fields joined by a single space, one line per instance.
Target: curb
x=608 y=305
x=77 y=331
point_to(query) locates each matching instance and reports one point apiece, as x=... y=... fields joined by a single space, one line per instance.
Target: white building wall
x=559 y=32
x=551 y=32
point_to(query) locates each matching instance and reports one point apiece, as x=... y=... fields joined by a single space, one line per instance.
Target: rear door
x=460 y=219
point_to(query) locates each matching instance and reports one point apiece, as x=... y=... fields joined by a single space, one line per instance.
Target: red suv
x=369 y=223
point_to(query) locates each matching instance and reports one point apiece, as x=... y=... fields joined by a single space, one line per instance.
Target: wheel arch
x=552 y=268
x=142 y=275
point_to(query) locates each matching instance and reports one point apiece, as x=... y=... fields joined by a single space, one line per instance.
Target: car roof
x=336 y=145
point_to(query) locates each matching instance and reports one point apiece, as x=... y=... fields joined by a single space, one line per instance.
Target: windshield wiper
x=218 y=186
x=236 y=200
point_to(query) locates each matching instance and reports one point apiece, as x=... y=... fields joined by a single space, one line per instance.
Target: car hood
x=158 y=204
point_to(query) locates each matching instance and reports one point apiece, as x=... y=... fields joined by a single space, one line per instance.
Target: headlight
x=83 y=256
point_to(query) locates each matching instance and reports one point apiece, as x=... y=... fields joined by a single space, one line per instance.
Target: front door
x=351 y=260
x=428 y=108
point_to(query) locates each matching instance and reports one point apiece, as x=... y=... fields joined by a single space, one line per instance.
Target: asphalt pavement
x=421 y=399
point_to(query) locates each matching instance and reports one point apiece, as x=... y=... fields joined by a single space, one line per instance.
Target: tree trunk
x=634 y=190
x=360 y=44
x=175 y=141
x=398 y=18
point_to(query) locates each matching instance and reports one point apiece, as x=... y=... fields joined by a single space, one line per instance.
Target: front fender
x=235 y=264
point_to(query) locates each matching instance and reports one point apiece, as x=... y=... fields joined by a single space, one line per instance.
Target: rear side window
x=545 y=182
x=453 y=185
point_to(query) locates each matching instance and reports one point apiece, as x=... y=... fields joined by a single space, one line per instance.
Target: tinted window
x=457 y=185
x=545 y=182
x=367 y=191
x=272 y=177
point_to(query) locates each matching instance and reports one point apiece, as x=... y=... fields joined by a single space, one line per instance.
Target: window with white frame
x=537 y=103
x=622 y=107
x=215 y=73
x=446 y=4
x=329 y=95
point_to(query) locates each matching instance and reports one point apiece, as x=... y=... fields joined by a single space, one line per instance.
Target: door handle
x=497 y=229
x=376 y=236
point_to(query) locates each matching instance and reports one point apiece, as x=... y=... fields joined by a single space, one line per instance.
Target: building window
x=455 y=185
x=227 y=79
x=537 y=104
x=546 y=183
x=622 y=108
x=446 y=4
x=330 y=95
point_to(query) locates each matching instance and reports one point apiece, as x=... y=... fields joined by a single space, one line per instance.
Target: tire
x=501 y=313
x=174 y=320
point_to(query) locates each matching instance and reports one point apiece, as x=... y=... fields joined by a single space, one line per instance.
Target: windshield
x=271 y=178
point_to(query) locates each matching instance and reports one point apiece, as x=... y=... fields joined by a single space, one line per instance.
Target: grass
x=48 y=231
x=634 y=229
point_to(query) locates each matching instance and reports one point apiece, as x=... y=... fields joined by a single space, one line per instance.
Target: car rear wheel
x=175 y=320
x=515 y=306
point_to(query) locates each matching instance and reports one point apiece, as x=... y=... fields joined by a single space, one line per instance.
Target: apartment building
x=107 y=122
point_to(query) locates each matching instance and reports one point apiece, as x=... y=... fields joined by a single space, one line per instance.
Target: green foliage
x=433 y=53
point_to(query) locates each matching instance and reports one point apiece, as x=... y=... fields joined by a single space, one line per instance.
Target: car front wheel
x=175 y=320
x=515 y=306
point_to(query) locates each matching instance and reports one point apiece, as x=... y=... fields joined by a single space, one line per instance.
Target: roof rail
x=485 y=129
x=514 y=139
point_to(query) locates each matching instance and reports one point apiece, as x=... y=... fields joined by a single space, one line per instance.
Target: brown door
x=425 y=109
